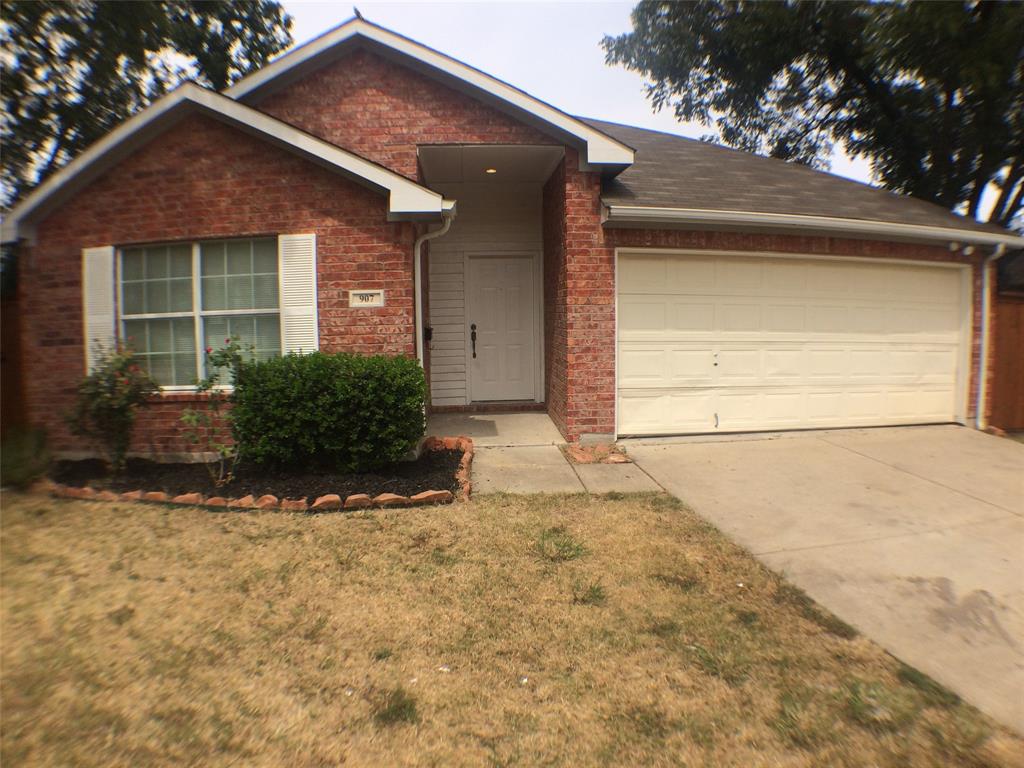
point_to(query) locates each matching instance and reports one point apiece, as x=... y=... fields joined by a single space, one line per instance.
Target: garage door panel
x=657 y=316
x=736 y=317
x=866 y=320
x=783 y=364
x=668 y=412
x=827 y=318
x=647 y=365
x=739 y=366
x=741 y=277
x=798 y=343
x=785 y=318
x=638 y=316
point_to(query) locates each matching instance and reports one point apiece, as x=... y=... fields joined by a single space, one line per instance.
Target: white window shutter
x=297 y=275
x=97 y=301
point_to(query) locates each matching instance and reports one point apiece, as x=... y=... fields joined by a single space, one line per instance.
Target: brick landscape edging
x=328 y=503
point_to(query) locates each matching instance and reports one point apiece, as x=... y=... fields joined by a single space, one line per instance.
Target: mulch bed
x=434 y=470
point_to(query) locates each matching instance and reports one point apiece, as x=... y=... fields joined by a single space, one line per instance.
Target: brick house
x=366 y=193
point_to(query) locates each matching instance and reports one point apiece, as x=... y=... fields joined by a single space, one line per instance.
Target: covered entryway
x=484 y=277
x=728 y=342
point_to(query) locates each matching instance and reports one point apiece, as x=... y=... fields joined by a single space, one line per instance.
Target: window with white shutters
x=179 y=300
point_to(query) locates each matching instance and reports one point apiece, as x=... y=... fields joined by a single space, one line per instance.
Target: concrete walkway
x=544 y=469
x=497 y=429
x=913 y=535
x=519 y=453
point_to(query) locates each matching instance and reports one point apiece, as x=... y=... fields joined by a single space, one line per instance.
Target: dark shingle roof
x=676 y=172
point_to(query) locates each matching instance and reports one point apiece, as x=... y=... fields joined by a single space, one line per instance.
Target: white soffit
x=406 y=199
x=601 y=149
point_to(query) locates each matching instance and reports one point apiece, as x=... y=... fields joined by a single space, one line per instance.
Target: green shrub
x=107 y=399
x=23 y=457
x=340 y=411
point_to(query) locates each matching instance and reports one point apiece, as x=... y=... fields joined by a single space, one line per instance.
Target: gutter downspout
x=980 y=420
x=448 y=217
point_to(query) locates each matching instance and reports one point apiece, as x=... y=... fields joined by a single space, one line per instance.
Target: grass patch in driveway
x=548 y=630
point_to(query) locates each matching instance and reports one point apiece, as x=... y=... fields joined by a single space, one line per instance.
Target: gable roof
x=679 y=180
x=601 y=150
x=406 y=198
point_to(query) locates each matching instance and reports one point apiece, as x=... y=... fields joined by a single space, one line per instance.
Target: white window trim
x=197 y=314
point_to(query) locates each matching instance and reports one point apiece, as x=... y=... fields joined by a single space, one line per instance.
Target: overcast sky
x=550 y=50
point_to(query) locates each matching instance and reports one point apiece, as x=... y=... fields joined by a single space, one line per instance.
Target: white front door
x=501 y=316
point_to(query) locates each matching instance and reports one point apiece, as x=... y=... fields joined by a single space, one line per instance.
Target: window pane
x=268 y=336
x=131 y=264
x=159 y=336
x=161 y=369
x=215 y=330
x=261 y=331
x=133 y=297
x=211 y=257
x=240 y=257
x=181 y=261
x=135 y=334
x=265 y=292
x=264 y=253
x=156 y=263
x=156 y=295
x=181 y=295
x=165 y=348
x=240 y=292
x=214 y=293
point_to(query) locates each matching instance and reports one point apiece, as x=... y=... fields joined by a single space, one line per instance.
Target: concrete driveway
x=913 y=535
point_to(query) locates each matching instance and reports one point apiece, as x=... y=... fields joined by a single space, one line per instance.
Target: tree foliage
x=931 y=93
x=72 y=70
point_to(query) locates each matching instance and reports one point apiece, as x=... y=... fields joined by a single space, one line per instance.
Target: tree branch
x=1015 y=173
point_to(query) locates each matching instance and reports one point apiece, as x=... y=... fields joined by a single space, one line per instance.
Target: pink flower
x=227 y=341
x=209 y=350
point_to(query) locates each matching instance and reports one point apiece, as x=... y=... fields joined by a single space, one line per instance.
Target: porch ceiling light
x=490 y=170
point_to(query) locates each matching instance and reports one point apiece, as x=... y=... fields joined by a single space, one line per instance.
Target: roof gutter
x=634 y=214
x=980 y=407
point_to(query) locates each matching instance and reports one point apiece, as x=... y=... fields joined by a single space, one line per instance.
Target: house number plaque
x=371 y=298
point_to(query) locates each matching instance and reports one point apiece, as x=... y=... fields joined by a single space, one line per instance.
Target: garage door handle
x=472 y=338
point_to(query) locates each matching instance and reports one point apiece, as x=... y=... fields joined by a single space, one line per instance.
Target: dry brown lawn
x=508 y=631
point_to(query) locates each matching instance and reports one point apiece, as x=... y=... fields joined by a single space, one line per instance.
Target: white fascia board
x=632 y=214
x=406 y=198
x=601 y=148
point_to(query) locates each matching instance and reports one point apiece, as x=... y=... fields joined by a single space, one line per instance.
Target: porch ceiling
x=470 y=163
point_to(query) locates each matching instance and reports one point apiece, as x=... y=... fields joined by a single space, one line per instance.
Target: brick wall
x=382 y=111
x=590 y=385
x=203 y=180
x=555 y=298
x=581 y=394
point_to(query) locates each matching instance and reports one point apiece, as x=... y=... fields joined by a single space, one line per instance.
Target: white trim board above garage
x=722 y=342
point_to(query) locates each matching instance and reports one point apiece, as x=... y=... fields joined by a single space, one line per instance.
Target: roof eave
x=632 y=215
x=407 y=200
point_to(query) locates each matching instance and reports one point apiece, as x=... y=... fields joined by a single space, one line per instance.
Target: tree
x=932 y=94
x=74 y=69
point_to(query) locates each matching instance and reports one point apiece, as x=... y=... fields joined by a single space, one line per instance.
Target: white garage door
x=712 y=343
